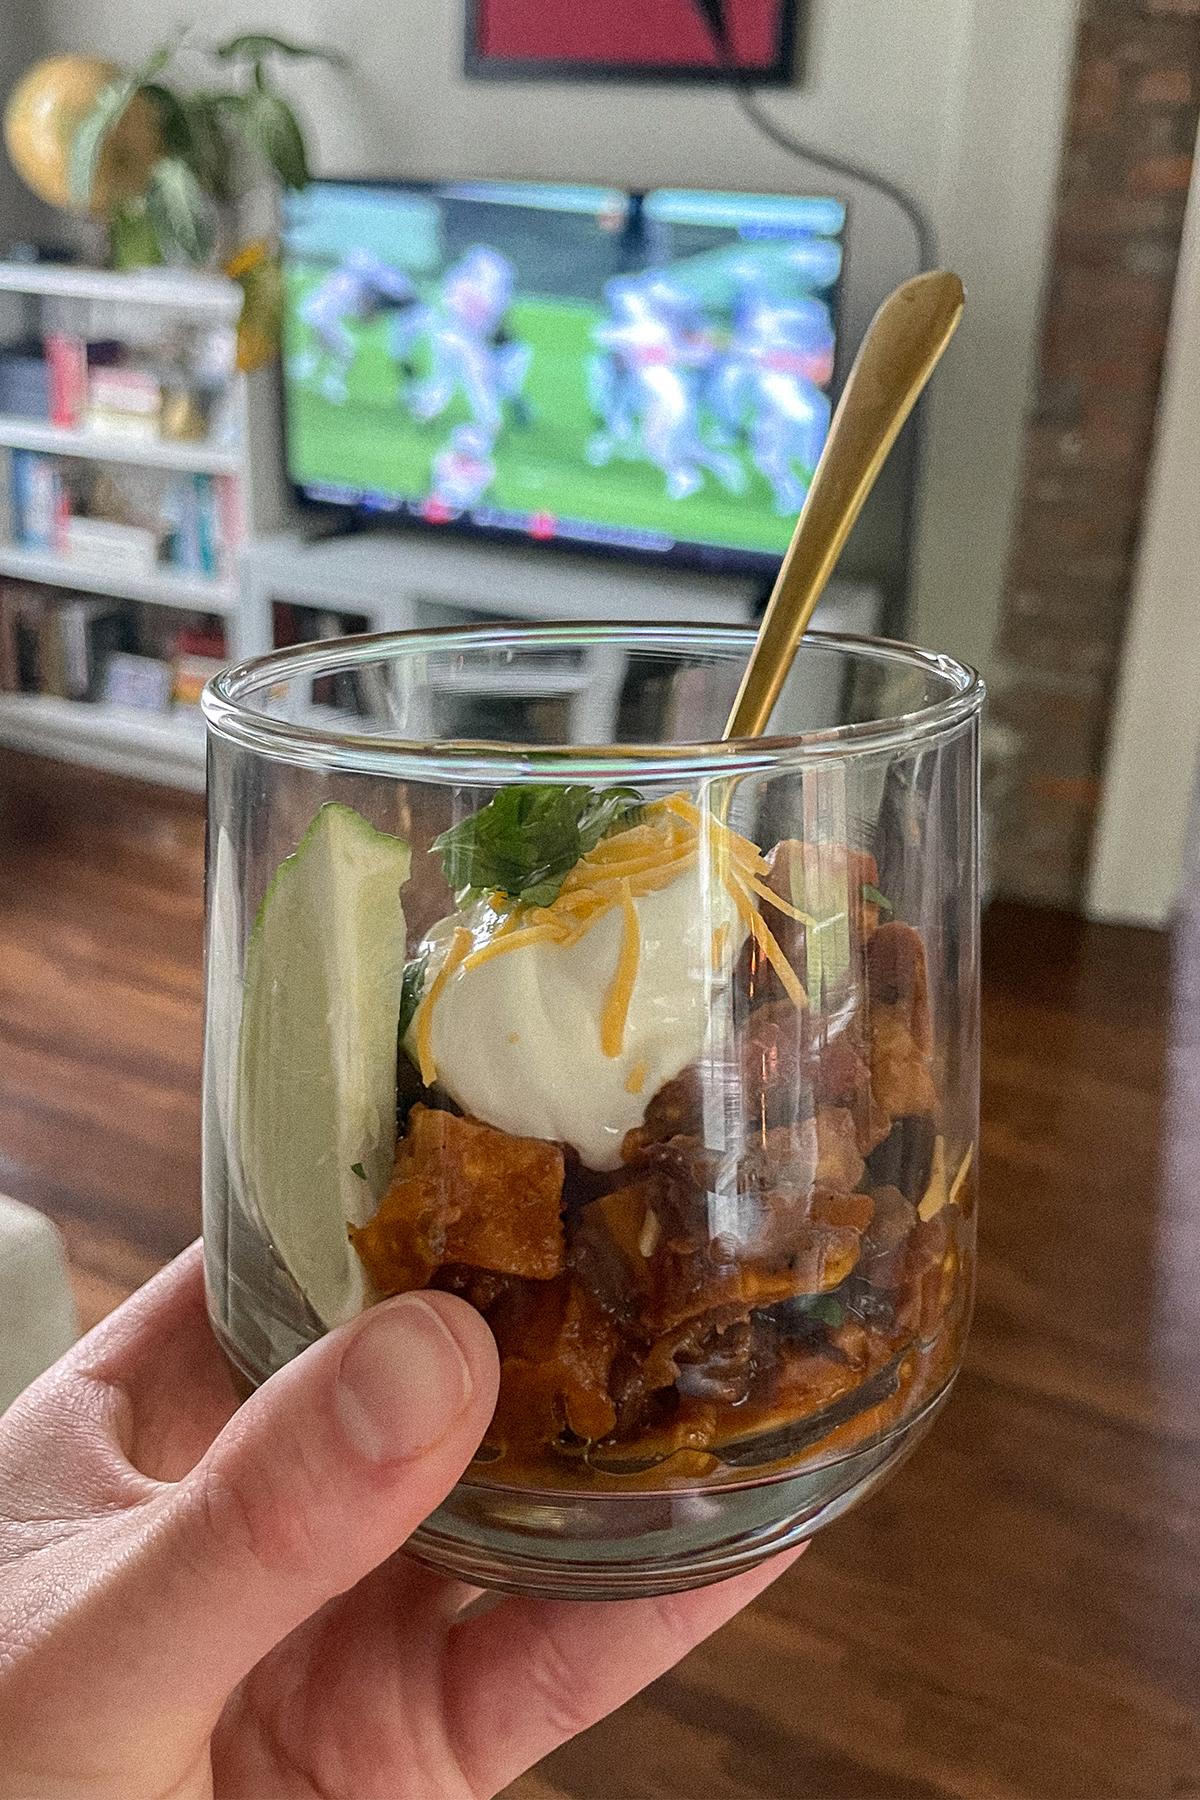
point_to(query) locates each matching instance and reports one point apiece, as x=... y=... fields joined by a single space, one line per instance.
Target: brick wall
x=1127 y=161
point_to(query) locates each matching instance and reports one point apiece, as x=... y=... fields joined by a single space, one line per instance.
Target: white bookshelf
x=197 y=294
x=161 y=587
x=163 y=747
x=167 y=748
x=195 y=457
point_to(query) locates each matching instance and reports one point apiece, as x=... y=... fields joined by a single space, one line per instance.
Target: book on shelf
x=8 y=518
x=51 y=655
x=66 y=378
x=10 y=662
x=231 y=524
x=59 y=644
x=24 y=384
x=125 y=401
x=190 y=513
x=39 y=501
x=107 y=544
x=23 y=645
x=296 y=624
x=140 y=683
x=139 y=526
x=191 y=674
x=86 y=648
x=92 y=632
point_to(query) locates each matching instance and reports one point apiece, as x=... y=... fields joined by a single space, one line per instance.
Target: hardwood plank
x=1016 y=1616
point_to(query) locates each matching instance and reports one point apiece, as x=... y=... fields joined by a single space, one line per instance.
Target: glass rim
x=489 y=762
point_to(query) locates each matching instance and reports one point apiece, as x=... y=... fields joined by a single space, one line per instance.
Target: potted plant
x=211 y=143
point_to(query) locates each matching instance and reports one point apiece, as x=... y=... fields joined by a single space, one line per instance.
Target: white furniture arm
x=37 y=1308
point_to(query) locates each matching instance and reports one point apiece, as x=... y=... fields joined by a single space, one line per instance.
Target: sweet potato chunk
x=678 y=1107
x=613 y=1242
x=839 y=1164
x=776 y=1067
x=463 y=1192
x=556 y=1351
x=897 y=976
x=827 y=881
x=885 y=1246
x=900 y=1077
x=931 y=1269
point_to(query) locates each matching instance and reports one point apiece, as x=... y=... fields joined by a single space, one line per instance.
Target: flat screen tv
x=640 y=373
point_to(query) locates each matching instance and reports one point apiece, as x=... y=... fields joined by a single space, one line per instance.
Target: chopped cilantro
x=357 y=1169
x=823 y=1307
x=526 y=840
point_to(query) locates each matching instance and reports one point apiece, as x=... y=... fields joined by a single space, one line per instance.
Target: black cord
x=747 y=100
x=742 y=88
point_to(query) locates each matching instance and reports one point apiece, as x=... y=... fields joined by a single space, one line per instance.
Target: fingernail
x=402 y=1382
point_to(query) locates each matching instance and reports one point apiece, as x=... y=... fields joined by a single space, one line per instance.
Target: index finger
x=158 y=1349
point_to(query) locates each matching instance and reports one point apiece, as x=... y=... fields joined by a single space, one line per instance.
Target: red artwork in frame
x=629 y=40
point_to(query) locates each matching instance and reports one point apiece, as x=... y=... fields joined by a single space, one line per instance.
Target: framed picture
x=629 y=40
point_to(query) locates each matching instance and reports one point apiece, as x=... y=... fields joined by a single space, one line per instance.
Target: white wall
x=21 y=216
x=961 y=101
x=1154 y=739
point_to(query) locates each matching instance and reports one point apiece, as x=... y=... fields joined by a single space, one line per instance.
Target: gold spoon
x=898 y=355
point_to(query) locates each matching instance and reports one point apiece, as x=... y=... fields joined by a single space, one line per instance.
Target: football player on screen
x=359 y=288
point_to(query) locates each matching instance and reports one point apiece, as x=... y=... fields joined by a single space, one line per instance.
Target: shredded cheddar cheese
x=758 y=928
x=616 y=1004
x=635 y=1081
x=460 y=943
x=781 y=905
x=720 y=943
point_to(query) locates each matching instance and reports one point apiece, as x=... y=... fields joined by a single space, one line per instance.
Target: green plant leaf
x=132 y=238
x=209 y=154
x=253 y=46
x=112 y=103
x=526 y=840
x=612 y=809
x=269 y=126
x=172 y=118
x=873 y=897
x=177 y=208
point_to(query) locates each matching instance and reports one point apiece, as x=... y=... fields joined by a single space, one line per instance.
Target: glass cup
x=663 y=1052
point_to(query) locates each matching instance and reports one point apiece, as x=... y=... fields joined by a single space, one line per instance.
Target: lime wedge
x=317 y=1051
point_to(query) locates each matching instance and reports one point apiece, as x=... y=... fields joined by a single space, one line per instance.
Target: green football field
x=372 y=442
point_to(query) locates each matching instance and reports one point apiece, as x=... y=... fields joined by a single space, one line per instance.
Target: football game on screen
x=642 y=372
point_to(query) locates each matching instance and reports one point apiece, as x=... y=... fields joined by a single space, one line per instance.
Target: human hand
x=197 y=1599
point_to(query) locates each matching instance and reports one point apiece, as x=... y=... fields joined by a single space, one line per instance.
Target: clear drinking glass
x=661 y=1051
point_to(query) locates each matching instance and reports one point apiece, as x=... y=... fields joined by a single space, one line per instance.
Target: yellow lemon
x=44 y=112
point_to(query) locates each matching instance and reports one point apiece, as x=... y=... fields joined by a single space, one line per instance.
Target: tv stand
x=404 y=581
x=401 y=581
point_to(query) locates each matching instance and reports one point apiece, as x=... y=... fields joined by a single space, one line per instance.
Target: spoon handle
x=896 y=359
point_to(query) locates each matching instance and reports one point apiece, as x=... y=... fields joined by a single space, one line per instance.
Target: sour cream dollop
x=517 y=1038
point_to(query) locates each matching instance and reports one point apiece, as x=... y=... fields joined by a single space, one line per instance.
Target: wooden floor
x=1017 y=1616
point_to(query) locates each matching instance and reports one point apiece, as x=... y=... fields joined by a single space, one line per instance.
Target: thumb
x=318 y=1478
